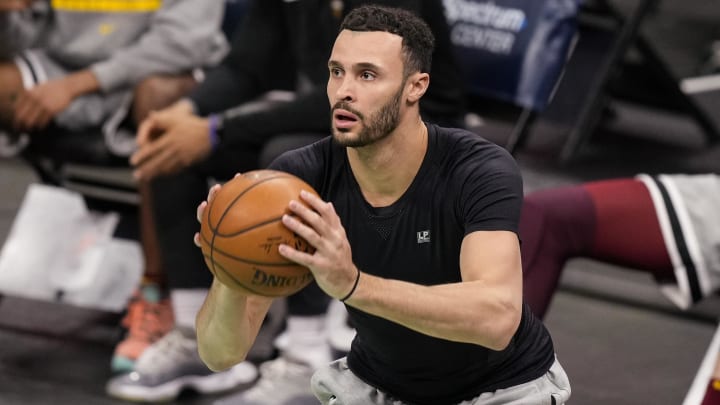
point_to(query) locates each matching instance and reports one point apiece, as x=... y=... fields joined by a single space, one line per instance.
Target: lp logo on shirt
x=423 y=237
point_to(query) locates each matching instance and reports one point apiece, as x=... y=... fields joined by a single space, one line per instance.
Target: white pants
x=337 y=385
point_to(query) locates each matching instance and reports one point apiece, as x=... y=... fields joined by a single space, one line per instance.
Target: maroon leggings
x=613 y=221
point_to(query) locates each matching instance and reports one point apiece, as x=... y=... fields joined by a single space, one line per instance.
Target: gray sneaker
x=172 y=364
x=282 y=382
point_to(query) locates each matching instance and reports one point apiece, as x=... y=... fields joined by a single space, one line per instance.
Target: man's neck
x=386 y=169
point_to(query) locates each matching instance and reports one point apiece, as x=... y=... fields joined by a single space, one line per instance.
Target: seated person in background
x=440 y=319
x=279 y=45
x=667 y=226
x=78 y=66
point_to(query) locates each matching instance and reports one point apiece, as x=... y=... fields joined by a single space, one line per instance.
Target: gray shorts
x=337 y=385
x=688 y=210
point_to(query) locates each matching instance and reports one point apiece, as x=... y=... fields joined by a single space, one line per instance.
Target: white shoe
x=172 y=364
x=282 y=382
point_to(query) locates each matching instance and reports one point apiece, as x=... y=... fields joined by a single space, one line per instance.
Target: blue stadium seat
x=513 y=51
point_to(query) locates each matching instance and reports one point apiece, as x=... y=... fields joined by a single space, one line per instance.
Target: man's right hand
x=201 y=207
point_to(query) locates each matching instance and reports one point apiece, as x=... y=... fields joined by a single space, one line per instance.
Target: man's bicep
x=492 y=257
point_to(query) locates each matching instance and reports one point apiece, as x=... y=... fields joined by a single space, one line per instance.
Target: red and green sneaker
x=149 y=317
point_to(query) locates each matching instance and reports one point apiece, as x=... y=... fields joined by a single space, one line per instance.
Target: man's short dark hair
x=418 y=40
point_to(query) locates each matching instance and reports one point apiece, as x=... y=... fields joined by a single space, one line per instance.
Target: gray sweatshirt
x=121 y=41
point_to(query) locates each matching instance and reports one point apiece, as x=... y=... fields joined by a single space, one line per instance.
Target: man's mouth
x=344 y=119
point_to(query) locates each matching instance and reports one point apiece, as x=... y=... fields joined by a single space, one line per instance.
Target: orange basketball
x=241 y=230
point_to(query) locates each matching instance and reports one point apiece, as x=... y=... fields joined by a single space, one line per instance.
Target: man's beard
x=379 y=126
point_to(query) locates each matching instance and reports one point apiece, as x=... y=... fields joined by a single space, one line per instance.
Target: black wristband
x=343 y=299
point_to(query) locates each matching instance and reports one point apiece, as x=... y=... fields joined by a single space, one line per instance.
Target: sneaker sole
x=242 y=374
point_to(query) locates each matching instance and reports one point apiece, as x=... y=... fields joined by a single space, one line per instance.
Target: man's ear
x=418 y=84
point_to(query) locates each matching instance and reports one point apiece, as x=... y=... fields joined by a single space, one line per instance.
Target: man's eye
x=367 y=76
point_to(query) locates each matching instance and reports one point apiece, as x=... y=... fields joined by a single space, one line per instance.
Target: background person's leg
x=555 y=225
x=627 y=231
x=152 y=94
x=149 y=315
x=10 y=85
x=612 y=220
x=158 y=92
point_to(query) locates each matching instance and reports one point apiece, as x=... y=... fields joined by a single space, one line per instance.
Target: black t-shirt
x=464 y=184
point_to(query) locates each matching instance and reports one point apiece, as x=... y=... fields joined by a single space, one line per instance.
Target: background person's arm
x=260 y=59
x=183 y=34
x=35 y=107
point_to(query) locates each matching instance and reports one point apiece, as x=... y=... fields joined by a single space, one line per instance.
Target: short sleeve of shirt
x=307 y=163
x=491 y=190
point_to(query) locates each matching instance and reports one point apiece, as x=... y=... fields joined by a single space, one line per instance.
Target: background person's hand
x=151 y=127
x=34 y=108
x=185 y=140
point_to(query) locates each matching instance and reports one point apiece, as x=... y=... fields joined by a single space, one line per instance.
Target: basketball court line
x=697 y=389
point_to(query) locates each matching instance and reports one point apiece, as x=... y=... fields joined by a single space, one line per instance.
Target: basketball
x=241 y=230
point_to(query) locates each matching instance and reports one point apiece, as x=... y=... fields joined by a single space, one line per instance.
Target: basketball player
x=664 y=225
x=279 y=45
x=415 y=233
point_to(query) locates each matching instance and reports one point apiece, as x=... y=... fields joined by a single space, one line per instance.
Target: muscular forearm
x=173 y=42
x=228 y=324
x=469 y=312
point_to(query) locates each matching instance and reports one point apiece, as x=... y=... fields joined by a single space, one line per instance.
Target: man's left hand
x=331 y=263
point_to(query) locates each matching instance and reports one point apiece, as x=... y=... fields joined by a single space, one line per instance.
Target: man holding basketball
x=415 y=231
